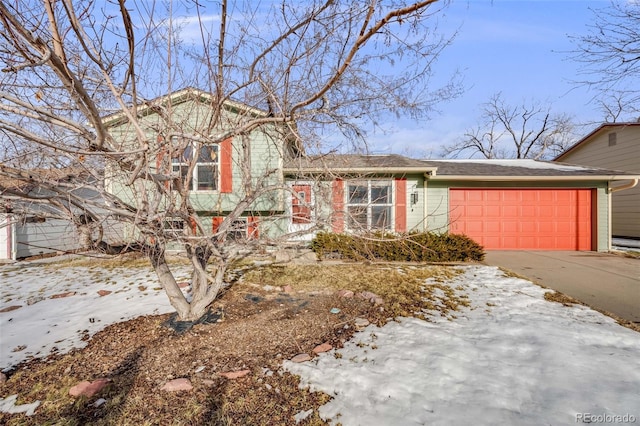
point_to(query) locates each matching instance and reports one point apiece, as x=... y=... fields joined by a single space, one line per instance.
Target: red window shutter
x=252 y=227
x=226 y=161
x=401 y=205
x=215 y=223
x=337 y=204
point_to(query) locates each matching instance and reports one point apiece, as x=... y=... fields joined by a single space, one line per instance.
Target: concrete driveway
x=604 y=281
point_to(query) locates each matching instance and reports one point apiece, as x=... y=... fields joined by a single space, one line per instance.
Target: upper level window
x=369 y=205
x=613 y=138
x=206 y=170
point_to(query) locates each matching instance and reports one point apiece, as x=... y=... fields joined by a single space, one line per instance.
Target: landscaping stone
x=177 y=385
x=208 y=382
x=10 y=308
x=103 y=293
x=287 y=289
x=235 y=374
x=88 y=389
x=325 y=347
x=3 y=378
x=361 y=322
x=301 y=358
x=183 y=284
x=347 y=294
x=63 y=295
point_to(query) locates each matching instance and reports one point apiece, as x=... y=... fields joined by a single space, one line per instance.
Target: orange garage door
x=523 y=219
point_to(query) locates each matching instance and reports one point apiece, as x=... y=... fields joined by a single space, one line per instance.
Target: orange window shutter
x=337 y=204
x=215 y=223
x=226 y=162
x=401 y=205
x=252 y=227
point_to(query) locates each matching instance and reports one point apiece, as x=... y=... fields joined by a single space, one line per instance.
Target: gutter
x=629 y=185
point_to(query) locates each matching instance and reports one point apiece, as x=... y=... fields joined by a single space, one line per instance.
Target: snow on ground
x=512 y=358
x=42 y=323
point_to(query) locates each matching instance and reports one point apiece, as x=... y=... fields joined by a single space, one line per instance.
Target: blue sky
x=516 y=47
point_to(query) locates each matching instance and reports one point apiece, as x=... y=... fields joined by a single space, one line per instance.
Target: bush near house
x=411 y=247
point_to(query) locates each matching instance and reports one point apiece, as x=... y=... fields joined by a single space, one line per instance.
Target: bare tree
x=137 y=106
x=529 y=130
x=610 y=56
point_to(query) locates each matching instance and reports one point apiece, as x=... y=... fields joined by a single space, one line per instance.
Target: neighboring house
x=614 y=146
x=31 y=229
x=502 y=204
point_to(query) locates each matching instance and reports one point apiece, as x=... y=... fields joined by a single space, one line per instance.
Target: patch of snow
x=528 y=163
x=512 y=358
x=61 y=324
x=8 y=405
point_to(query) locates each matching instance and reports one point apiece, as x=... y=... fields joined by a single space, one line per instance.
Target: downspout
x=425 y=211
x=12 y=243
x=629 y=185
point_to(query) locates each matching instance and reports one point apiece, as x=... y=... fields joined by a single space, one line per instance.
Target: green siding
x=193 y=117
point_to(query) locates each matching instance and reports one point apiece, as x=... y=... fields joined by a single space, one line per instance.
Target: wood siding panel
x=624 y=156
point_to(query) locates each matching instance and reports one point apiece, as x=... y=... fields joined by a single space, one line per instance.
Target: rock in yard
x=183 y=284
x=361 y=322
x=235 y=374
x=176 y=385
x=88 y=389
x=325 y=347
x=62 y=295
x=301 y=358
x=3 y=377
x=103 y=293
x=10 y=308
x=347 y=294
x=287 y=289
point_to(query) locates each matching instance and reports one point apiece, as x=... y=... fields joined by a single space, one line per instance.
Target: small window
x=174 y=227
x=238 y=230
x=205 y=171
x=35 y=219
x=613 y=138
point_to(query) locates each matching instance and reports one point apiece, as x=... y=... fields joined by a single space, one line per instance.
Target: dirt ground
x=257 y=330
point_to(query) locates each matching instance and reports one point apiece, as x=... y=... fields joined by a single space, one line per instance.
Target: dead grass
x=556 y=296
x=260 y=328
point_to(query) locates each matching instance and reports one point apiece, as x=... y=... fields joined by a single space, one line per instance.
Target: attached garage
x=524 y=219
x=523 y=204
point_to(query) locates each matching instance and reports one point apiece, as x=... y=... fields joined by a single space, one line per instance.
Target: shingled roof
x=356 y=163
x=520 y=169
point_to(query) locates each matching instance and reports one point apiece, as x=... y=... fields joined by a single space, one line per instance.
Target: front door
x=301 y=209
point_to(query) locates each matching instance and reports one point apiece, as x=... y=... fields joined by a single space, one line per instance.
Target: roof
x=587 y=139
x=357 y=163
x=177 y=97
x=524 y=169
x=484 y=170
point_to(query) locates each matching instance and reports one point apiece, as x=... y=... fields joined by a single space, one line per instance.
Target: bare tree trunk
x=167 y=280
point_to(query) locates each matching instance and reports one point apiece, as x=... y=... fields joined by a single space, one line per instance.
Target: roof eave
x=360 y=170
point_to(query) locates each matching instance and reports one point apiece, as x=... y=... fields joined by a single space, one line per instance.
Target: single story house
x=614 y=146
x=502 y=204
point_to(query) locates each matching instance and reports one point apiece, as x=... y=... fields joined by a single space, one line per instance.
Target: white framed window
x=369 y=205
x=174 y=227
x=206 y=171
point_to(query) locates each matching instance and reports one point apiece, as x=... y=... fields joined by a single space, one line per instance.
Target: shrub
x=413 y=247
